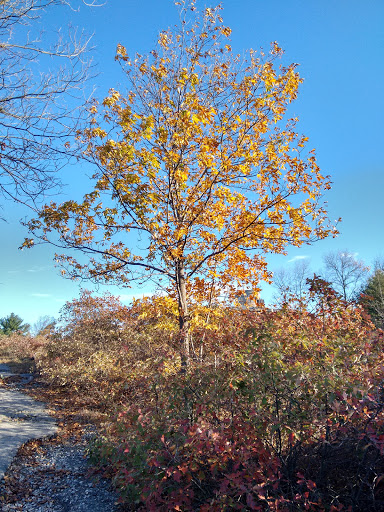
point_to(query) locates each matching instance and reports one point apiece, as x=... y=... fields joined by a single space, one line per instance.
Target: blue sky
x=340 y=49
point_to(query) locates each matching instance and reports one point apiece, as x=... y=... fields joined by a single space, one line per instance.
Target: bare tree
x=40 y=84
x=292 y=281
x=345 y=272
x=43 y=325
x=378 y=264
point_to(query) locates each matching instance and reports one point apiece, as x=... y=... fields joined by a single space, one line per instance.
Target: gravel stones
x=55 y=479
x=49 y=473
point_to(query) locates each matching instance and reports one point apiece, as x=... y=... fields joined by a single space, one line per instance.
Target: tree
x=198 y=164
x=44 y=325
x=37 y=109
x=345 y=272
x=13 y=323
x=292 y=281
x=372 y=296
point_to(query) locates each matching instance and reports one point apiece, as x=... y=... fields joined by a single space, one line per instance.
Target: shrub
x=266 y=425
x=274 y=404
x=101 y=350
x=18 y=346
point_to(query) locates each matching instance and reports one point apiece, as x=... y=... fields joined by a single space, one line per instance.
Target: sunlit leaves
x=199 y=160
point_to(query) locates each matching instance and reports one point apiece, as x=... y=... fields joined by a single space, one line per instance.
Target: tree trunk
x=184 y=321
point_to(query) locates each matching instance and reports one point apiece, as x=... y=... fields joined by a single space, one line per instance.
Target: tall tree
x=13 y=323
x=345 y=272
x=43 y=326
x=372 y=294
x=292 y=281
x=197 y=163
x=37 y=106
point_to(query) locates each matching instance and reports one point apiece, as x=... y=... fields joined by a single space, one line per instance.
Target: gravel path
x=49 y=478
x=21 y=419
x=47 y=474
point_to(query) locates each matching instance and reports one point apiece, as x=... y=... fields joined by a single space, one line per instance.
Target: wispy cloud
x=346 y=254
x=38 y=269
x=41 y=295
x=297 y=258
x=13 y=272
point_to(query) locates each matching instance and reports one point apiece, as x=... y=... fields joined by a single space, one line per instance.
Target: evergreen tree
x=372 y=297
x=13 y=323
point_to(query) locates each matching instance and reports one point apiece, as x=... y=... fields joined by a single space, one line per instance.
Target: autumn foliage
x=198 y=165
x=287 y=416
x=281 y=410
x=104 y=350
x=211 y=405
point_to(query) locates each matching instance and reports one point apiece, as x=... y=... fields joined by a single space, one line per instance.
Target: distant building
x=250 y=299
